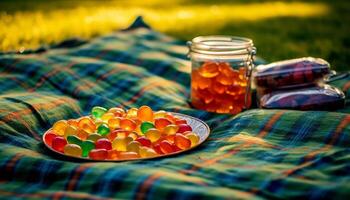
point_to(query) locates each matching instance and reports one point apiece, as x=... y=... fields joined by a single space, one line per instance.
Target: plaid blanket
x=257 y=154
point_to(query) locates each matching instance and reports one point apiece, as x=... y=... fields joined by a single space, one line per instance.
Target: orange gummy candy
x=127 y=124
x=224 y=79
x=209 y=69
x=181 y=141
x=199 y=81
x=87 y=124
x=145 y=113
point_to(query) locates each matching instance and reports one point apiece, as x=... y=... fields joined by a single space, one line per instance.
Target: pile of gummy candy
x=117 y=134
x=217 y=87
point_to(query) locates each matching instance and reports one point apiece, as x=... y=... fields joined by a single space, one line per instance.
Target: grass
x=280 y=29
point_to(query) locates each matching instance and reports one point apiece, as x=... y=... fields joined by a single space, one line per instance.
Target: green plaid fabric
x=257 y=154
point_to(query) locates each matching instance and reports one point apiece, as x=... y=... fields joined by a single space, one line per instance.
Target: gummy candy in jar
x=221 y=71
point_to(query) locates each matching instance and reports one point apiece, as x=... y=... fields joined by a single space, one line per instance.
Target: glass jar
x=221 y=73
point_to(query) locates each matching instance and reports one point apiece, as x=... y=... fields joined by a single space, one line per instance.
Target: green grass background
x=276 y=38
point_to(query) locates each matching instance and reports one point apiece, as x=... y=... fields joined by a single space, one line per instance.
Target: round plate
x=198 y=126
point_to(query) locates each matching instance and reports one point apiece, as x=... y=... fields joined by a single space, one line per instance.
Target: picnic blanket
x=257 y=154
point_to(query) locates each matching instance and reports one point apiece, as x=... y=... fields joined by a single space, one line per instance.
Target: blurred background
x=280 y=29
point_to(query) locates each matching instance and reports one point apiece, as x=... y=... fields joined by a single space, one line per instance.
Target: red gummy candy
x=103 y=143
x=156 y=148
x=49 y=137
x=98 y=154
x=183 y=128
x=180 y=121
x=144 y=141
x=58 y=143
x=166 y=147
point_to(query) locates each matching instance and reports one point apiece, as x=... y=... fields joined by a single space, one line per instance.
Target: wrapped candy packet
x=291 y=73
x=323 y=97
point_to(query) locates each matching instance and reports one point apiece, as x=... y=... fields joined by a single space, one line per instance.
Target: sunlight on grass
x=31 y=29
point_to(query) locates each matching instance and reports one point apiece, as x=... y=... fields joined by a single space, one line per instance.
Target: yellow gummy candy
x=60 y=127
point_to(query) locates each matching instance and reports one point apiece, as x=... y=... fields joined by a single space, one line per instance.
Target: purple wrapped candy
x=324 y=97
x=291 y=73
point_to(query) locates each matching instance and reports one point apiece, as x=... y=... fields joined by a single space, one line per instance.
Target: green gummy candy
x=72 y=139
x=103 y=129
x=145 y=126
x=98 y=111
x=87 y=146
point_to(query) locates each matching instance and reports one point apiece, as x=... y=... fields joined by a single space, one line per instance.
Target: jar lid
x=221 y=45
